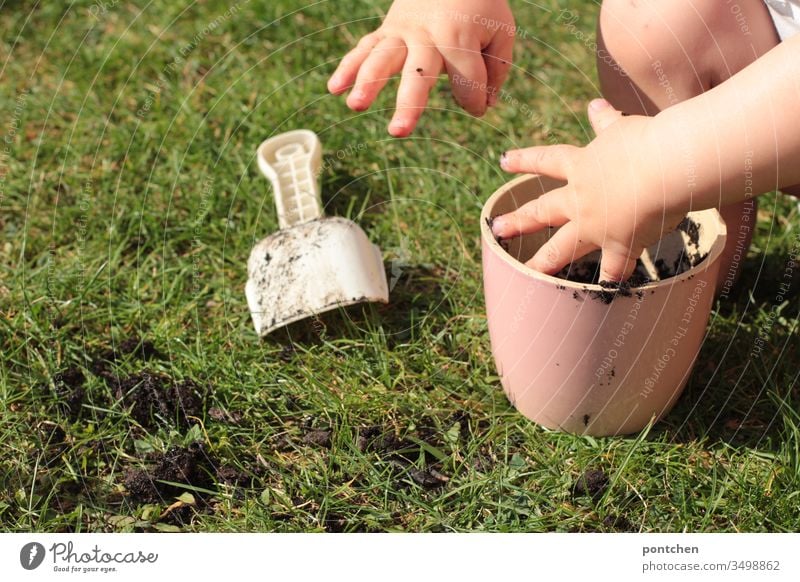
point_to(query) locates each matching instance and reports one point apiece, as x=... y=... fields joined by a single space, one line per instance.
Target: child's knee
x=619 y=55
x=672 y=51
x=656 y=46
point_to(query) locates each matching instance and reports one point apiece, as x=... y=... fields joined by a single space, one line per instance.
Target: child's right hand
x=615 y=196
x=471 y=39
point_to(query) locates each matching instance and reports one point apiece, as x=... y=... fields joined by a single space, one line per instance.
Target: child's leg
x=672 y=51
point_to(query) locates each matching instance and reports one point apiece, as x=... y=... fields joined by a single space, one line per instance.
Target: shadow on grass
x=351 y=197
x=744 y=386
x=750 y=414
x=416 y=295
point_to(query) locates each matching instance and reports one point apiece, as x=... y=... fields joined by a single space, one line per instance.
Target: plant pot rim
x=709 y=218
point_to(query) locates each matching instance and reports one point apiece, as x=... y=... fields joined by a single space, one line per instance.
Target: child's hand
x=617 y=198
x=471 y=39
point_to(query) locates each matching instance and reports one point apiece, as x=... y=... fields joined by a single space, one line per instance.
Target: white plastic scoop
x=313 y=264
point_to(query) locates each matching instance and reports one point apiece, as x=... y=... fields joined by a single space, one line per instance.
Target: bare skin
x=723 y=96
x=657 y=54
x=629 y=186
x=472 y=40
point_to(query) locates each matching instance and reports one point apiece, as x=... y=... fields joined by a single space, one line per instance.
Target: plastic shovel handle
x=292 y=162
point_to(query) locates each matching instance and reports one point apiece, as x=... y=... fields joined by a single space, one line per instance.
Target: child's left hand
x=618 y=198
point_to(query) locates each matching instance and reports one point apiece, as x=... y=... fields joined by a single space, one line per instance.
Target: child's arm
x=471 y=39
x=640 y=176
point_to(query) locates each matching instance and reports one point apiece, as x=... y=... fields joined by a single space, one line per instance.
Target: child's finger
x=422 y=68
x=602 y=114
x=553 y=161
x=497 y=57
x=547 y=210
x=564 y=247
x=346 y=72
x=616 y=266
x=385 y=60
x=467 y=73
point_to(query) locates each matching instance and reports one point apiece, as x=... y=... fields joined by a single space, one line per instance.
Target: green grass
x=116 y=223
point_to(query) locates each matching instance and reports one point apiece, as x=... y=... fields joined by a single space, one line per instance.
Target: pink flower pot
x=579 y=358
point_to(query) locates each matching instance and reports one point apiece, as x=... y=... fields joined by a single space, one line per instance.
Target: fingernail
x=357 y=100
x=504 y=161
x=498 y=222
x=398 y=126
x=598 y=104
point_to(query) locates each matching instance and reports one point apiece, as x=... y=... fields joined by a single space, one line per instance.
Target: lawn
x=134 y=393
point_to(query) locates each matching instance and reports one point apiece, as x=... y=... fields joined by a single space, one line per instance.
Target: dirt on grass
x=401 y=454
x=177 y=471
x=318 y=438
x=132 y=346
x=187 y=466
x=69 y=387
x=593 y=482
x=155 y=399
x=618 y=523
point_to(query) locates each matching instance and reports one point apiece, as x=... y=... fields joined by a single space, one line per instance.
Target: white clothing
x=786 y=16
